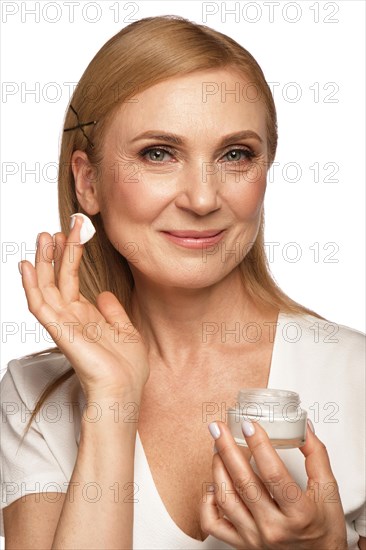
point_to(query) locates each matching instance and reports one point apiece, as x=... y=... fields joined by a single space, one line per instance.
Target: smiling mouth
x=194 y=240
x=192 y=234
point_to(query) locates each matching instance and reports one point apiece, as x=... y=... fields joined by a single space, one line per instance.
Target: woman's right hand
x=106 y=351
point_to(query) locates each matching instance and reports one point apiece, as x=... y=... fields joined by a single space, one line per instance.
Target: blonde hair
x=142 y=54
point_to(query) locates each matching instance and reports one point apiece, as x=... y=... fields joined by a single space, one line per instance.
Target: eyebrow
x=178 y=140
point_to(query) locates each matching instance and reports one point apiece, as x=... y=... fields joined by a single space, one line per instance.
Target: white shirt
x=323 y=362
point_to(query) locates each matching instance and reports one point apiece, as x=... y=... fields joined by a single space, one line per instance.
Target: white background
x=324 y=218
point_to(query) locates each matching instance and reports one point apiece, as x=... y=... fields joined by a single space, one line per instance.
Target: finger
x=273 y=472
x=228 y=499
x=318 y=469
x=317 y=461
x=68 y=276
x=212 y=522
x=245 y=480
x=59 y=241
x=37 y=305
x=44 y=261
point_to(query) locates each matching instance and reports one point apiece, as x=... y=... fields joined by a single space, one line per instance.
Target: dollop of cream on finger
x=87 y=230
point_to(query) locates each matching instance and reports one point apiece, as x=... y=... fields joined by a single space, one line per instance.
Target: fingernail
x=248 y=428
x=37 y=239
x=215 y=449
x=20 y=267
x=214 y=430
x=87 y=229
x=311 y=425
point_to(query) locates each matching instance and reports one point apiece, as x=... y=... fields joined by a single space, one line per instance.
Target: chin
x=178 y=277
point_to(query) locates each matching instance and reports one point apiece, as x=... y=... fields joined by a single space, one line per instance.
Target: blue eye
x=248 y=154
x=159 y=153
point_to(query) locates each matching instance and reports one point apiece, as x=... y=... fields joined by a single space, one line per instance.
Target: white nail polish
x=87 y=229
x=247 y=427
x=214 y=430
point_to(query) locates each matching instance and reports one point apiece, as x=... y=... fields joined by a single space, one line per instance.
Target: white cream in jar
x=277 y=411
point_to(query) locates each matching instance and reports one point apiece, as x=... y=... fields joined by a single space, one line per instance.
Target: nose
x=199 y=189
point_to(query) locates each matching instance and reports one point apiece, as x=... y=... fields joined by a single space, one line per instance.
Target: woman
x=172 y=173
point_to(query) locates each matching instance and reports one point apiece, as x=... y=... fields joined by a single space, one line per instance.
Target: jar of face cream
x=277 y=411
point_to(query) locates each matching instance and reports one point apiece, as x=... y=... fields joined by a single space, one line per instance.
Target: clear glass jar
x=277 y=411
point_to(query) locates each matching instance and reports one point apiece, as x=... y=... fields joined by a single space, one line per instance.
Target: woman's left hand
x=271 y=511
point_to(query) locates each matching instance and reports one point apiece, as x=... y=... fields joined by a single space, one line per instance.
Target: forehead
x=205 y=101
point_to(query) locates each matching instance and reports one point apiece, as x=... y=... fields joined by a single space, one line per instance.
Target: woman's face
x=172 y=164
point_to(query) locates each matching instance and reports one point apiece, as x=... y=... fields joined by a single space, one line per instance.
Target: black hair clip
x=80 y=126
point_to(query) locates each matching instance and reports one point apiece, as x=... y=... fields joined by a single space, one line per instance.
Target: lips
x=194 y=240
x=191 y=234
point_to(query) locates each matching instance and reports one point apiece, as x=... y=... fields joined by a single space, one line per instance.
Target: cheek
x=248 y=194
x=132 y=200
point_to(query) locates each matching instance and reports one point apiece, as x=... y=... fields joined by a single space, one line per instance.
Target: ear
x=85 y=182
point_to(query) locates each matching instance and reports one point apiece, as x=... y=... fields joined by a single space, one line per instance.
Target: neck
x=183 y=327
